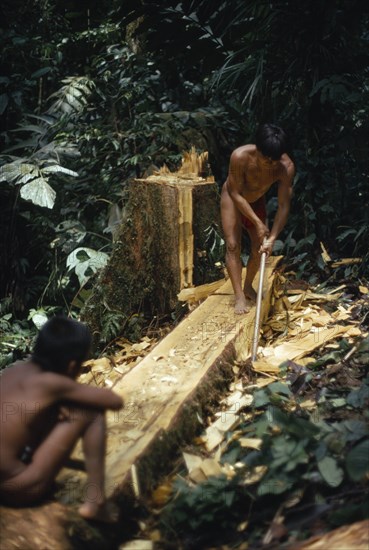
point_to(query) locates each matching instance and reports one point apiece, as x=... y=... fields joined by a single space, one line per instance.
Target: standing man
x=253 y=169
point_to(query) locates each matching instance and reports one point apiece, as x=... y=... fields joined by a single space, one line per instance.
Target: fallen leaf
x=162 y=494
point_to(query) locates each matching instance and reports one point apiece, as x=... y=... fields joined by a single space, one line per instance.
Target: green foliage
x=85 y=262
x=314 y=82
x=114 y=322
x=16 y=338
x=299 y=451
x=34 y=178
x=206 y=511
x=103 y=129
x=72 y=98
x=114 y=92
x=210 y=260
x=357 y=461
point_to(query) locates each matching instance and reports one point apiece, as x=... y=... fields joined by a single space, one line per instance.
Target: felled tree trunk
x=159 y=245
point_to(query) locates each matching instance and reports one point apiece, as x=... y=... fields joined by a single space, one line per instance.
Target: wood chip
x=135 y=482
x=197 y=475
x=211 y=467
x=346 y=261
x=99 y=365
x=212 y=438
x=254 y=475
x=263 y=366
x=250 y=442
x=226 y=422
x=325 y=256
x=192 y=461
x=196 y=293
x=308 y=404
x=137 y=544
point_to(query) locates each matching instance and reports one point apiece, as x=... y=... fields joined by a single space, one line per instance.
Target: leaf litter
x=289 y=445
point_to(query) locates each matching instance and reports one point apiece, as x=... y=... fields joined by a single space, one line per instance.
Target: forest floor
x=284 y=455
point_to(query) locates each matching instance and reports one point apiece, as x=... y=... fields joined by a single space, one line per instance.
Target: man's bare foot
x=250 y=293
x=241 y=305
x=106 y=512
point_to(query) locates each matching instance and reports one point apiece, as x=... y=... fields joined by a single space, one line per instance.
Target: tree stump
x=159 y=244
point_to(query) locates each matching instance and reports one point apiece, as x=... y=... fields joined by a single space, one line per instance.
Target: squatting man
x=253 y=168
x=44 y=411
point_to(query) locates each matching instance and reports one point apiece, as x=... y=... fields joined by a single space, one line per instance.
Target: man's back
x=44 y=411
x=25 y=411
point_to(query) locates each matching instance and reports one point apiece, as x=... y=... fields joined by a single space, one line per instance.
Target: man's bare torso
x=258 y=174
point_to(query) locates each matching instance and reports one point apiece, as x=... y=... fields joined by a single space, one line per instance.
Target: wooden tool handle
x=259 y=297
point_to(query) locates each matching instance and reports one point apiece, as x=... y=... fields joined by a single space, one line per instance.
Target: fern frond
x=56 y=168
x=73 y=96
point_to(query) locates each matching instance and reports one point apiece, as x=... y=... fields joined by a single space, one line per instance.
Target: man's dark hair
x=271 y=140
x=60 y=341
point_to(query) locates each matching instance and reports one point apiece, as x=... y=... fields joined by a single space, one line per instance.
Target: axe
x=259 y=297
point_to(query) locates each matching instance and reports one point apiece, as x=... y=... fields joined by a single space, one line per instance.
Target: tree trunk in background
x=159 y=245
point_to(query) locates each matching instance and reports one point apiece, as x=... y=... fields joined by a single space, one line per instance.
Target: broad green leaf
x=72 y=97
x=357 y=429
x=274 y=486
x=261 y=398
x=4 y=100
x=14 y=170
x=357 y=461
x=39 y=318
x=41 y=72
x=39 y=192
x=358 y=398
x=26 y=178
x=31 y=128
x=279 y=387
x=22 y=145
x=338 y=402
x=330 y=471
x=85 y=262
x=363 y=346
x=80 y=300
